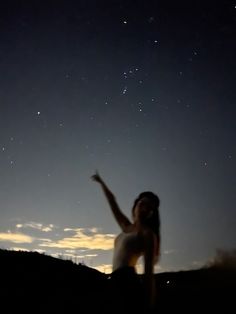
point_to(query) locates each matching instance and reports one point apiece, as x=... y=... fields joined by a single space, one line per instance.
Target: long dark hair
x=153 y=221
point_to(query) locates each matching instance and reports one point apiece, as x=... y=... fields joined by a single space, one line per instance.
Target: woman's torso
x=128 y=247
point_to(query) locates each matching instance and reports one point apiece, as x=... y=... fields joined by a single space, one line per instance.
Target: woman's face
x=143 y=209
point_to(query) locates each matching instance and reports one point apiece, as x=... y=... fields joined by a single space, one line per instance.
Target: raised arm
x=121 y=219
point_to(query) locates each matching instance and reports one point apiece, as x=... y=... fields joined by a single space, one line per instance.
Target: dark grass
x=33 y=282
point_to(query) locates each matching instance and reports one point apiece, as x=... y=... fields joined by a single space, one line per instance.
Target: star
x=124 y=90
x=151 y=19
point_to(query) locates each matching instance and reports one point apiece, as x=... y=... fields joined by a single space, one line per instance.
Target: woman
x=138 y=238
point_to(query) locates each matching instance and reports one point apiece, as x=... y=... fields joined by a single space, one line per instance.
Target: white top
x=127 y=249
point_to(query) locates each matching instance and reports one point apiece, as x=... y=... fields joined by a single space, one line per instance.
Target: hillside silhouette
x=33 y=282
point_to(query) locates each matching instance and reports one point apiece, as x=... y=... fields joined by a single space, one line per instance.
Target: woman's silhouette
x=138 y=238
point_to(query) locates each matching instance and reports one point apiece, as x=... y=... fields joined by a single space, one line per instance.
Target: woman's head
x=146 y=210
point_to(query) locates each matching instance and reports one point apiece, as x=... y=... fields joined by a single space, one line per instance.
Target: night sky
x=143 y=91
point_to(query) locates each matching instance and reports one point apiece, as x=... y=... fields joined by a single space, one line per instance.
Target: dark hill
x=33 y=282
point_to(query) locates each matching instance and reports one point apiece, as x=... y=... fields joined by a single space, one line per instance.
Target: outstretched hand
x=96 y=177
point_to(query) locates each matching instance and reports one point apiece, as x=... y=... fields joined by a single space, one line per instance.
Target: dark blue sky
x=143 y=91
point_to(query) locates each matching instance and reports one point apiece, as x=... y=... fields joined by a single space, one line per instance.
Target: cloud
x=104 y=268
x=19 y=249
x=44 y=240
x=107 y=268
x=197 y=263
x=76 y=258
x=39 y=251
x=76 y=244
x=36 y=225
x=82 y=238
x=224 y=259
x=15 y=237
x=87 y=231
x=169 y=251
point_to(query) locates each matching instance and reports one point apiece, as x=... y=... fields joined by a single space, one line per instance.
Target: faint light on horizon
x=19 y=249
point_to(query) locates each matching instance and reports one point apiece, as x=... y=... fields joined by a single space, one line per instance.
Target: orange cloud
x=92 y=241
x=16 y=237
x=104 y=268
